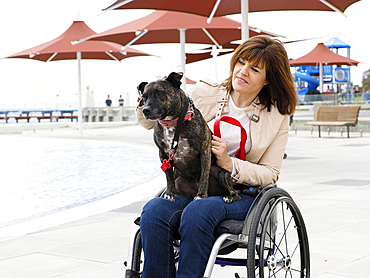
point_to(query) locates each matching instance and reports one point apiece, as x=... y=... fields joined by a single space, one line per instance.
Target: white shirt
x=231 y=133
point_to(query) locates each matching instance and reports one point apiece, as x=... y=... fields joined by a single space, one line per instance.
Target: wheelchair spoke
x=274 y=272
x=295 y=249
x=298 y=271
x=284 y=237
x=283 y=215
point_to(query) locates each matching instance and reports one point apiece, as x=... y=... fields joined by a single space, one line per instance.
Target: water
x=40 y=176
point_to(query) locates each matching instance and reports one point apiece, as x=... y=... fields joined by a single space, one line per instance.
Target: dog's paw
x=199 y=197
x=231 y=198
x=227 y=199
x=169 y=197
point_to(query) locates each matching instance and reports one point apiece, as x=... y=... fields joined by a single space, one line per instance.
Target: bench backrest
x=338 y=113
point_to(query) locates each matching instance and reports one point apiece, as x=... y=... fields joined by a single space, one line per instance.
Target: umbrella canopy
x=163 y=27
x=171 y=27
x=227 y=47
x=226 y=7
x=196 y=57
x=62 y=49
x=321 y=55
x=190 y=82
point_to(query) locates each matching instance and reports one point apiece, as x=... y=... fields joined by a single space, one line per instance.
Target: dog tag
x=165 y=165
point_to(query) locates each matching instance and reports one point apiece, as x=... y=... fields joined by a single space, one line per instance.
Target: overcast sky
x=25 y=24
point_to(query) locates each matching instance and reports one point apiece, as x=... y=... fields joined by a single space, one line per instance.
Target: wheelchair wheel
x=137 y=254
x=277 y=241
x=134 y=264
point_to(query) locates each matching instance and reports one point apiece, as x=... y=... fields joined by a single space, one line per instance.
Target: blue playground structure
x=307 y=77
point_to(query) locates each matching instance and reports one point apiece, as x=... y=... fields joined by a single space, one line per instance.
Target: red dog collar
x=174 y=121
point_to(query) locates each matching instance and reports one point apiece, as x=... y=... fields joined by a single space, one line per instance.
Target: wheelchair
x=272 y=241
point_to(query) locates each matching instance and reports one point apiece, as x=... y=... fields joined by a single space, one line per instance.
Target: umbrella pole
x=214 y=55
x=245 y=27
x=79 y=94
x=183 y=57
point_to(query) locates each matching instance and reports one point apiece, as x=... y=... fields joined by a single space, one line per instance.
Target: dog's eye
x=160 y=92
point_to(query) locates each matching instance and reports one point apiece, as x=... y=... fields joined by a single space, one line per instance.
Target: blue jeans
x=196 y=221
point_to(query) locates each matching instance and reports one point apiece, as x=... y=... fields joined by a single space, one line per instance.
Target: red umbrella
x=190 y=82
x=321 y=55
x=206 y=53
x=62 y=49
x=226 y=7
x=171 y=27
x=227 y=47
x=164 y=26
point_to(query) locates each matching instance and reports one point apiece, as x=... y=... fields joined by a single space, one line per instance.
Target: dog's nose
x=146 y=111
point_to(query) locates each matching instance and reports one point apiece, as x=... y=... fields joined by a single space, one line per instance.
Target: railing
x=348 y=98
x=108 y=114
x=39 y=106
x=39 y=114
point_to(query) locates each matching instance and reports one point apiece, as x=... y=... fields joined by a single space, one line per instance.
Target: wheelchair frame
x=269 y=253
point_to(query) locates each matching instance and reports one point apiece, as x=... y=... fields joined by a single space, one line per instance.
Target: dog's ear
x=141 y=87
x=174 y=78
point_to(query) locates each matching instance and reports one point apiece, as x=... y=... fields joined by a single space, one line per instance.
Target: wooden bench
x=67 y=114
x=39 y=118
x=21 y=117
x=67 y=117
x=345 y=115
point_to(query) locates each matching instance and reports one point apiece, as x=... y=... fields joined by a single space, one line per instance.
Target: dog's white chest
x=168 y=135
x=183 y=146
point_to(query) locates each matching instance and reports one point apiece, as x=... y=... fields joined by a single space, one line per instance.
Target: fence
x=335 y=98
x=108 y=114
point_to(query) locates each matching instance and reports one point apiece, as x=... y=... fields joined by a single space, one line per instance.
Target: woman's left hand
x=219 y=148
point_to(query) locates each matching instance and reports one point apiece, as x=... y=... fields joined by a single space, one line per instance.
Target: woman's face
x=248 y=78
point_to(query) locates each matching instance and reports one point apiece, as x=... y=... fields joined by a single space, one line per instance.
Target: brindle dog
x=192 y=177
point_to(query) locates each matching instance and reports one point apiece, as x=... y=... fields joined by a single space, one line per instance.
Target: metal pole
x=79 y=94
x=245 y=27
x=321 y=81
x=183 y=57
x=214 y=55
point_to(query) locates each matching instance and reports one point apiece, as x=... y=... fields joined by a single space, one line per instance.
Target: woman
x=260 y=94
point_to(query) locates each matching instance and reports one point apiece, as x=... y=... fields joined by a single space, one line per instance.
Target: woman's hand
x=219 y=148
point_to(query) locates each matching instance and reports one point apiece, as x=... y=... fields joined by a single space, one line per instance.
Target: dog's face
x=161 y=98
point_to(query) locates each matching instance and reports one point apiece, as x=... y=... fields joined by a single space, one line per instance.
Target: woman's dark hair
x=271 y=53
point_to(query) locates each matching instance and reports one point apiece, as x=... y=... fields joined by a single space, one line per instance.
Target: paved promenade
x=327 y=177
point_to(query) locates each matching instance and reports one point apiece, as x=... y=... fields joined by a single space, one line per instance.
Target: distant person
x=353 y=92
x=328 y=90
x=108 y=101
x=343 y=92
x=121 y=101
